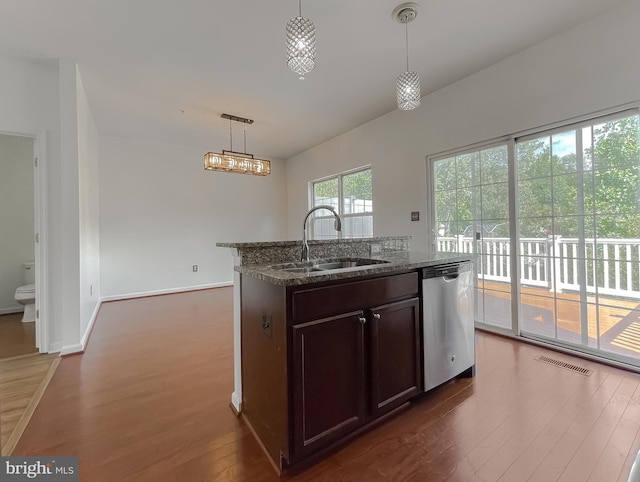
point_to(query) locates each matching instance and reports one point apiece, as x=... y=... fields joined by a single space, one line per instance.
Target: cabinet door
x=395 y=354
x=328 y=380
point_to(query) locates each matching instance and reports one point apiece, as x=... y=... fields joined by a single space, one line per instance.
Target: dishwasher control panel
x=447 y=269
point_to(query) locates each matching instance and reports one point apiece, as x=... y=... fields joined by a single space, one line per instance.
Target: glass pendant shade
x=408 y=83
x=301 y=45
x=408 y=90
x=238 y=162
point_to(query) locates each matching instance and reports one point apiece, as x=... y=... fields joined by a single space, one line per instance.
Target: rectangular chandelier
x=238 y=162
x=231 y=161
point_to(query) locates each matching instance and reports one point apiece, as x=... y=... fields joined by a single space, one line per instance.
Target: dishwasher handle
x=447 y=271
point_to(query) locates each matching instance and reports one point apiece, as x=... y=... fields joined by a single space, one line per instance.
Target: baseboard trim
x=71 y=349
x=9 y=311
x=144 y=294
x=55 y=347
x=236 y=403
x=85 y=337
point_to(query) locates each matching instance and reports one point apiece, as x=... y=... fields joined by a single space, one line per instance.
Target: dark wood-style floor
x=149 y=400
x=16 y=338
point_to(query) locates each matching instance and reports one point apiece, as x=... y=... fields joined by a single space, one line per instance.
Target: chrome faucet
x=337 y=226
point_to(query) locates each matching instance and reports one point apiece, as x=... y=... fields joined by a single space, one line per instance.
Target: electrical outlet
x=195 y=268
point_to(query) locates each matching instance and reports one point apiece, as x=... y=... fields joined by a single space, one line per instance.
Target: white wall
x=161 y=213
x=43 y=97
x=16 y=216
x=88 y=178
x=29 y=95
x=76 y=259
x=589 y=68
x=70 y=215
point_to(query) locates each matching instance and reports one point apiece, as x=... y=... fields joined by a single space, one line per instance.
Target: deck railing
x=606 y=266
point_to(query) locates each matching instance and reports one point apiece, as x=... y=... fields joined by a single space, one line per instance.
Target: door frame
x=41 y=240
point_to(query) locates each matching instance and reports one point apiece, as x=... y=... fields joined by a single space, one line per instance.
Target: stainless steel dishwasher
x=448 y=327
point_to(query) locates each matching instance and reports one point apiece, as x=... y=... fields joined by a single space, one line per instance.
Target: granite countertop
x=396 y=261
x=266 y=244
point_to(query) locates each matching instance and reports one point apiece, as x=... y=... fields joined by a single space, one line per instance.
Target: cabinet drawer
x=313 y=303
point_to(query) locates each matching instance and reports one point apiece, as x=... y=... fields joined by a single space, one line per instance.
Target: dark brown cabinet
x=328 y=380
x=321 y=361
x=394 y=355
x=350 y=368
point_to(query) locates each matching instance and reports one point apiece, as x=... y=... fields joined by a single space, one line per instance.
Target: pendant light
x=408 y=83
x=239 y=162
x=301 y=44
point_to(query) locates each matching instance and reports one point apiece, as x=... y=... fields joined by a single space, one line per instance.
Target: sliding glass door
x=471 y=193
x=570 y=273
x=579 y=230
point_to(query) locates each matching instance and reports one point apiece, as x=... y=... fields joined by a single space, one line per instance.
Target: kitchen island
x=329 y=347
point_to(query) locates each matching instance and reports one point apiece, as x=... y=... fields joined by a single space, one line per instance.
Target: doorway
x=21 y=253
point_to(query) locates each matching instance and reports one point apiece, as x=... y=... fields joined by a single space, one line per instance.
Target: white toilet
x=26 y=294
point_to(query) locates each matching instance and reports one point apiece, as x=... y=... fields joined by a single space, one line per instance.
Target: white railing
x=610 y=266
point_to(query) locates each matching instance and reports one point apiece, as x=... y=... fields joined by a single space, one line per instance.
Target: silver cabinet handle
x=362 y=320
x=376 y=316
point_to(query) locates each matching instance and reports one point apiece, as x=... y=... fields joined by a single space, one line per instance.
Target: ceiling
x=164 y=70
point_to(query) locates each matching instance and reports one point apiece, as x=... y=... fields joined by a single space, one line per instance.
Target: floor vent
x=575 y=368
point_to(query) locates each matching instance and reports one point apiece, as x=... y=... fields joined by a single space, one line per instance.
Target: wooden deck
x=615 y=321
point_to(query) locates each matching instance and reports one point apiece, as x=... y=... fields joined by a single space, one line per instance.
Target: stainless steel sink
x=333 y=265
x=303 y=269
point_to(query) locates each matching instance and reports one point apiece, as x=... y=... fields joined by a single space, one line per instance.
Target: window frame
x=325 y=215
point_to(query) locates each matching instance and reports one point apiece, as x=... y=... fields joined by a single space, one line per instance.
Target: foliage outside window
x=583 y=179
x=350 y=193
x=471 y=193
x=586 y=174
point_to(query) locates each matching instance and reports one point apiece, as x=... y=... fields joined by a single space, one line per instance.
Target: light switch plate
x=415 y=215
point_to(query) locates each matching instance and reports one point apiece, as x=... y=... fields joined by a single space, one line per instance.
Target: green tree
x=325 y=189
x=610 y=183
x=472 y=190
x=358 y=185
x=615 y=160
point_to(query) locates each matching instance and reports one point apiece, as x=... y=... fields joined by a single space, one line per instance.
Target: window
x=350 y=194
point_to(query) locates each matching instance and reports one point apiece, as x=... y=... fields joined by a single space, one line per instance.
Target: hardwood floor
x=16 y=338
x=149 y=400
x=23 y=380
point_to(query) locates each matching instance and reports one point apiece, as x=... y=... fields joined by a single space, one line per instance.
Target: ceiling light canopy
x=301 y=44
x=408 y=83
x=238 y=162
